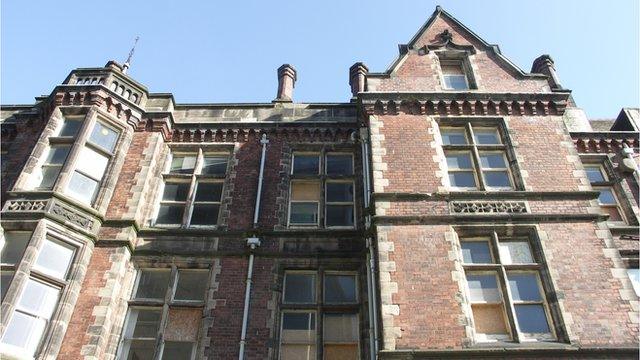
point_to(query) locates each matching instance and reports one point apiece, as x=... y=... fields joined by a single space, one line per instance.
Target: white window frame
x=463 y=68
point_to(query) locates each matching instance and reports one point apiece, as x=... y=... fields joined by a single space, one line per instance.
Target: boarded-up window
x=340 y=336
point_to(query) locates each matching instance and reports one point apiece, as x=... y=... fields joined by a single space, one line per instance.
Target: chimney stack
x=357 y=78
x=286 y=82
x=544 y=65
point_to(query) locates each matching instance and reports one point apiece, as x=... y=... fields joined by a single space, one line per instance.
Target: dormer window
x=454 y=75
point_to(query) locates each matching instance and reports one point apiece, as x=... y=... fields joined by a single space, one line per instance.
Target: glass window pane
x=515 y=252
x=297 y=352
x=532 y=319
x=299 y=327
x=339 y=215
x=152 y=284
x=483 y=288
x=606 y=197
x=141 y=349
x=634 y=276
x=49 y=176
x=492 y=160
x=341 y=328
x=13 y=246
x=70 y=127
x=5 y=281
x=594 y=173
x=143 y=323
x=339 y=192
x=305 y=191
x=24 y=332
x=462 y=179
x=54 y=258
x=209 y=191
x=614 y=214
x=524 y=287
x=306 y=164
x=82 y=188
x=104 y=136
x=214 y=165
x=451 y=68
x=205 y=214
x=304 y=213
x=38 y=299
x=476 y=252
x=175 y=192
x=177 y=350
x=339 y=165
x=455 y=82
x=459 y=161
x=489 y=319
x=496 y=178
x=486 y=136
x=57 y=154
x=92 y=163
x=192 y=285
x=453 y=136
x=170 y=214
x=183 y=164
x=340 y=288
x=299 y=288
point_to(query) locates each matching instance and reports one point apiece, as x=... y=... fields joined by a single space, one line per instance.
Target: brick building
x=456 y=206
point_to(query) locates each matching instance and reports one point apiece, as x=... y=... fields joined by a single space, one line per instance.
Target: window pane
x=24 y=331
x=38 y=299
x=606 y=197
x=170 y=214
x=175 y=192
x=515 y=252
x=205 y=214
x=339 y=165
x=306 y=164
x=304 y=213
x=462 y=179
x=455 y=82
x=483 y=288
x=489 y=319
x=459 y=161
x=209 y=192
x=492 y=160
x=453 y=136
x=452 y=68
x=177 y=350
x=486 y=136
x=192 y=285
x=496 y=178
x=14 y=244
x=152 y=284
x=82 y=188
x=297 y=352
x=341 y=328
x=476 y=252
x=57 y=154
x=340 y=288
x=532 y=319
x=5 y=281
x=305 y=191
x=183 y=164
x=49 y=176
x=339 y=215
x=524 y=287
x=214 y=165
x=141 y=350
x=299 y=288
x=634 y=276
x=339 y=192
x=70 y=127
x=92 y=163
x=299 y=327
x=104 y=137
x=143 y=323
x=614 y=214
x=594 y=173
x=54 y=259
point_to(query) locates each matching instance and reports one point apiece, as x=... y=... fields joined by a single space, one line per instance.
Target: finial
x=127 y=63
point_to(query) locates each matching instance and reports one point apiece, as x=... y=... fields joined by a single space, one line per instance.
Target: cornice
x=606 y=141
x=486 y=195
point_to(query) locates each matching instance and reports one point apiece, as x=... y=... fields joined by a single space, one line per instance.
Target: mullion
x=476 y=157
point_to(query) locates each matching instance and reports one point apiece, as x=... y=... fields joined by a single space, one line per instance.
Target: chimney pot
x=544 y=65
x=287 y=77
x=357 y=78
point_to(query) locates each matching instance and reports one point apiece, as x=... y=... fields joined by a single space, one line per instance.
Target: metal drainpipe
x=371 y=270
x=252 y=242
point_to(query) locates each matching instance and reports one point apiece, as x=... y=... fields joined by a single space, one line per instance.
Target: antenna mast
x=127 y=64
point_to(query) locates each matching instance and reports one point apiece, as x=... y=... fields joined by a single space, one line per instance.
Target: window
x=39 y=298
x=507 y=298
x=178 y=327
x=193 y=187
x=92 y=163
x=59 y=145
x=310 y=179
x=634 y=276
x=336 y=302
x=608 y=201
x=13 y=245
x=454 y=75
x=476 y=158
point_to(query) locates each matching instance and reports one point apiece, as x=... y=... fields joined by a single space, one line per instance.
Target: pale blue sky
x=214 y=51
